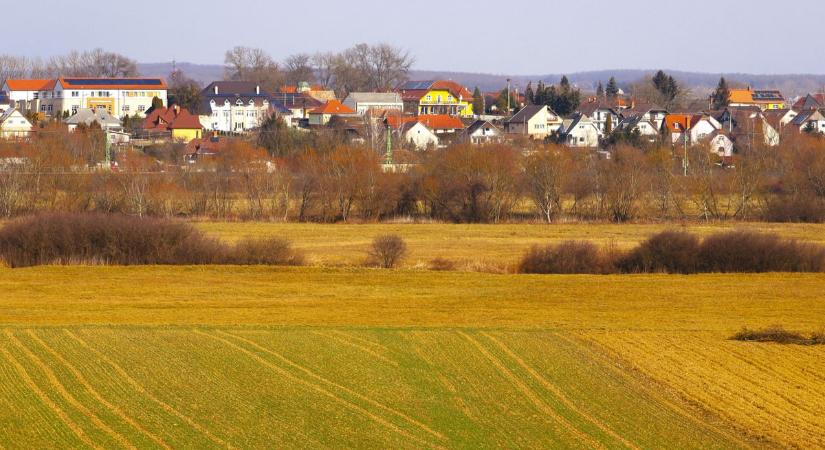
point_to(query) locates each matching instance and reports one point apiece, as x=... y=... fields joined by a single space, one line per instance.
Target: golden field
x=331 y=357
x=471 y=245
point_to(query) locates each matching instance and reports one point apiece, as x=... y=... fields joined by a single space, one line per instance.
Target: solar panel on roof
x=109 y=81
x=413 y=85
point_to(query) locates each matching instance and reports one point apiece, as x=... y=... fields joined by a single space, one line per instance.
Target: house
x=601 y=114
x=689 y=128
x=311 y=90
x=810 y=121
x=580 y=131
x=298 y=103
x=182 y=125
x=721 y=144
x=481 y=132
x=779 y=118
x=88 y=116
x=322 y=114
x=436 y=97
x=67 y=95
x=234 y=106
x=810 y=101
x=361 y=102
x=535 y=121
x=204 y=148
x=646 y=113
x=764 y=99
x=748 y=126
x=411 y=131
x=646 y=128
x=14 y=125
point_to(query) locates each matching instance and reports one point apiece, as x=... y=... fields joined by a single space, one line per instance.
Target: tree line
x=330 y=181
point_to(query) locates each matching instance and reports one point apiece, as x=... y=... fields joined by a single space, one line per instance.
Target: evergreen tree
x=721 y=96
x=156 y=104
x=529 y=95
x=478 y=101
x=608 y=125
x=600 y=90
x=666 y=85
x=501 y=103
x=612 y=89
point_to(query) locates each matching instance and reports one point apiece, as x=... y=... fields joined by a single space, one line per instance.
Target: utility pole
x=388 y=154
x=685 y=160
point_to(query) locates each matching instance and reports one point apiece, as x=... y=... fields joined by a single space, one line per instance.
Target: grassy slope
x=319 y=357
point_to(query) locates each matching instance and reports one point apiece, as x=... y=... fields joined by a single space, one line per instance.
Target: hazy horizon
x=543 y=37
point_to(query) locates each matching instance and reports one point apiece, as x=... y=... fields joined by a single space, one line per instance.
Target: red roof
x=431 y=121
x=31 y=85
x=332 y=107
x=173 y=118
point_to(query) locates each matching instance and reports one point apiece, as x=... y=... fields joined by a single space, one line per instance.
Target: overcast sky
x=527 y=37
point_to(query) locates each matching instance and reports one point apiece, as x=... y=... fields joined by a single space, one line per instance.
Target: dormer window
x=239 y=102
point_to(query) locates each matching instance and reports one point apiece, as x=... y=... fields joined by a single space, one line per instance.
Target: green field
x=258 y=357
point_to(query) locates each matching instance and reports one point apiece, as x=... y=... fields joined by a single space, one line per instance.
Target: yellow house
x=437 y=97
x=764 y=99
x=180 y=123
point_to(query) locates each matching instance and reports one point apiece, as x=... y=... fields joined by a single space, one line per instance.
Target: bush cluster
x=67 y=238
x=681 y=253
x=779 y=335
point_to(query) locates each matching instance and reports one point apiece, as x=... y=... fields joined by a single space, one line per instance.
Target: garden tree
x=721 y=96
x=322 y=64
x=608 y=125
x=252 y=64
x=136 y=178
x=298 y=68
x=612 y=89
x=667 y=87
x=600 y=90
x=545 y=174
x=157 y=103
x=529 y=95
x=665 y=195
x=540 y=96
x=12 y=67
x=478 y=101
x=501 y=101
x=564 y=100
x=468 y=184
x=184 y=91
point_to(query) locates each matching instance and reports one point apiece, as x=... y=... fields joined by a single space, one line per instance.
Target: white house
x=234 y=106
x=412 y=133
x=361 y=102
x=14 y=125
x=580 y=131
x=601 y=115
x=693 y=127
x=535 y=121
x=721 y=144
x=645 y=128
x=25 y=95
x=647 y=113
x=809 y=121
x=481 y=132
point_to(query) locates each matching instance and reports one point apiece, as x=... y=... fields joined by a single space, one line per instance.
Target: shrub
x=568 y=257
x=442 y=264
x=745 y=251
x=123 y=240
x=778 y=335
x=668 y=251
x=809 y=209
x=271 y=251
x=387 y=251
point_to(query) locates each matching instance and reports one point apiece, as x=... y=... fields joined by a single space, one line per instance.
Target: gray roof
x=87 y=115
x=374 y=97
x=526 y=113
x=478 y=124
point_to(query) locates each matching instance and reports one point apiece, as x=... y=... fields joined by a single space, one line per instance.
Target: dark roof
x=815 y=101
x=526 y=113
x=478 y=124
x=231 y=88
x=292 y=100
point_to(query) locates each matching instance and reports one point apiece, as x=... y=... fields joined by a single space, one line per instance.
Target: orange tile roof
x=741 y=96
x=163 y=119
x=678 y=122
x=31 y=85
x=332 y=107
x=441 y=122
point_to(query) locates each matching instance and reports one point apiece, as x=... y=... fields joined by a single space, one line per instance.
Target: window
x=429 y=98
x=438 y=99
x=74 y=109
x=450 y=98
x=49 y=108
x=75 y=93
x=42 y=108
x=141 y=108
x=36 y=95
x=126 y=108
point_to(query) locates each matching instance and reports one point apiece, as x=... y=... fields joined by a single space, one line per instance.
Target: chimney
x=216 y=89
x=257 y=90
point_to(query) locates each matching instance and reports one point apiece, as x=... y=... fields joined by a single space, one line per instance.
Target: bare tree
x=546 y=174
x=12 y=67
x=252 y=64
x=298 y=68
x=92 y=63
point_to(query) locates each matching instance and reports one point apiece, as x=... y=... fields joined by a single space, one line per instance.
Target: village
x=417 y=115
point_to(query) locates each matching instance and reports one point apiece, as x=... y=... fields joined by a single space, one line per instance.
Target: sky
x=525 y=37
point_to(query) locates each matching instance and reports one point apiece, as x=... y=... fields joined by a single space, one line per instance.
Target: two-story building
x=436 y=97
x=534 y=121
x=362 y=102
x=764 y=99
x=234 y=106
